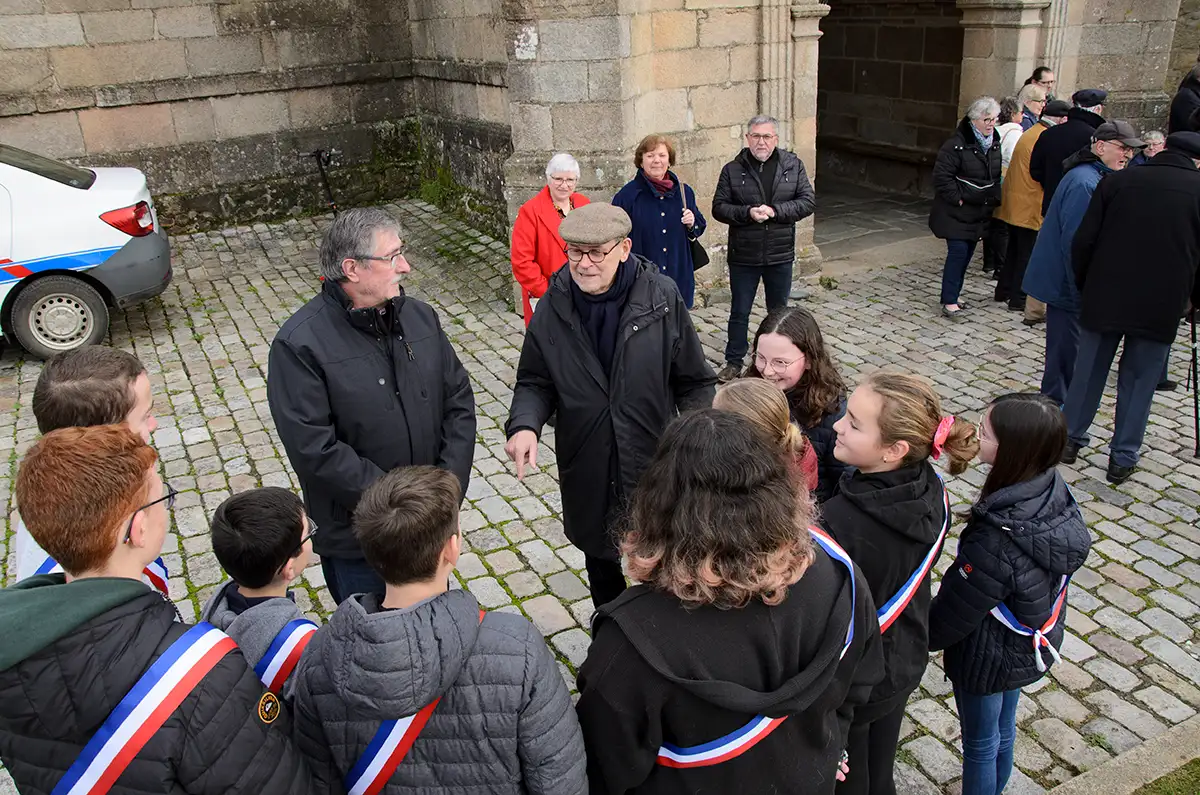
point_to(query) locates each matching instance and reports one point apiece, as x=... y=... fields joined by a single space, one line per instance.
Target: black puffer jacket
x=888 y=521
x=739 y=188
x=1053 y=147
x=658 y=370
x=72 y=651
x=358 y=392
x=966 y=185
x=822 y=437
x=1016 y=547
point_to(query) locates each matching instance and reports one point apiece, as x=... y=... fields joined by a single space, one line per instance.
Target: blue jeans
x=989 y=729
x=958 y=257
x=1062 y=346
x=743 y=285
x=1138 y=373
x=348 y=576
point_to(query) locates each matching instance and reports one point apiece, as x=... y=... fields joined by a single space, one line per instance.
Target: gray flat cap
x=595 y=223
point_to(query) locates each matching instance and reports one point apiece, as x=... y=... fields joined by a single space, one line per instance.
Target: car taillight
x=135 y=221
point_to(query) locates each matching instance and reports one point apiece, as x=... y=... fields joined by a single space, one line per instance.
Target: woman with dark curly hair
x=790 y=353
x=737 y=664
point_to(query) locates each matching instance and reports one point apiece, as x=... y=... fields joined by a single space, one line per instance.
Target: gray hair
x=1031 y=92
x=350 y=236
x=983 y=107
x=562 y=163
x=1153 y=136
x=762 y=119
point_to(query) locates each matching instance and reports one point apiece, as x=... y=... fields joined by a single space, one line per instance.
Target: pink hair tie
x=941 y=435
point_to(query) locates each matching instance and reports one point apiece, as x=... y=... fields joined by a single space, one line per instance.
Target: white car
x=74 y=242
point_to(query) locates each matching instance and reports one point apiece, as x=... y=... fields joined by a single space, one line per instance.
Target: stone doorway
x=851 y=219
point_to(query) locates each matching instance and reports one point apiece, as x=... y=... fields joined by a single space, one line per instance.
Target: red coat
x=537 y=250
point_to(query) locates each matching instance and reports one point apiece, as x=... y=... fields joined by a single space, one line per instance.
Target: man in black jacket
x=1134 y=287
x=1063 y=140
x=75 y=648
x=761 y=194
x=613 y=350
x=363 y=380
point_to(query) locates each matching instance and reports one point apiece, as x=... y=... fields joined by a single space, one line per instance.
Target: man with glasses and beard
x=363 y=380
x=616 y=355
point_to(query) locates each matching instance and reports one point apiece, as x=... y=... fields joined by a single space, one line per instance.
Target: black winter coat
x=658 y=672
x=608 y=426
x=740 y=187
x=53 y=699
x=1185 y=102
x=1058 y=143
x=1016 y=547
x=356 y=393
x=966 y=185
x=888 y=521
x=822 y=437
x=1131 y=282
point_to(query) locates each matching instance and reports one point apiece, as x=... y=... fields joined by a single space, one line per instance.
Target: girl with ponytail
x=891 y=513
x=767 y=409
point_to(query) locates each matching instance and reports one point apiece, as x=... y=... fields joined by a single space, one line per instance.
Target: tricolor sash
x=284 y=652
x=144 y=710
x=892 y=609
x=743 y=739
x=155 y=574
x=1005 y=616
x=387 y=750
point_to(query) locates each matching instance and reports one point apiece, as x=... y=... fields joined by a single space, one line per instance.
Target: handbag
x=699 y=252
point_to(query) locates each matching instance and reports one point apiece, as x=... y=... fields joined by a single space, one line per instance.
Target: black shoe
x=553 y=419
x=1034 y=321
x=1118 y=474
x=999 y=298
x=1012 y=308
x=729 y=372
x=1070 y=453
x=1166 y=386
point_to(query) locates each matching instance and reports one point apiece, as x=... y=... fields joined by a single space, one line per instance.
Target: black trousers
x=995 y=245
x=605 y=579
x=872 y=751
x=1020 y=247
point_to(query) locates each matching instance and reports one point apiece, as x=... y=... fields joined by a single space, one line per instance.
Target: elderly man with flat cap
x=612 y=349
x=1134 y=288
x=1064 y=140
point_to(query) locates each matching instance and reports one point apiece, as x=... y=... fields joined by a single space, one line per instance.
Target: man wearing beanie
x=612 y=349
x=1055 y=146
x=1134 y=288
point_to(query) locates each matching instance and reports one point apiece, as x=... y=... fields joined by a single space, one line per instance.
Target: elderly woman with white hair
x=537 y=249
x=1033 y=99
x=966 y=183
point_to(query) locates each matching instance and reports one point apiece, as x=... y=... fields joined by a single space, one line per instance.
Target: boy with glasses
x=263 y=540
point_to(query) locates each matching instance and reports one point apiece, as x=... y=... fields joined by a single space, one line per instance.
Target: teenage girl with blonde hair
x=767 y=409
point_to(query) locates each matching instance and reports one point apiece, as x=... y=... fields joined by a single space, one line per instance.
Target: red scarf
x=664 y=185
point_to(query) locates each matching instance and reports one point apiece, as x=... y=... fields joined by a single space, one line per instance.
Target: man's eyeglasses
x=776 y=365
x=764 y=137
x=168 y=498
x=390 y=260
x=595 y=255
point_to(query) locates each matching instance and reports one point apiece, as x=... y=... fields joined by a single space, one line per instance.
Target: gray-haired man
x=363 y=380
x=761 y=194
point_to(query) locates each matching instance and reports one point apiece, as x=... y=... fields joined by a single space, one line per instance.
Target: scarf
x=985 y=142
x=664 y=185
x=601 y=314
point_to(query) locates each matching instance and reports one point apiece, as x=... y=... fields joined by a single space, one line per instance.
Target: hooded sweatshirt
x=1018 y=544
x=72 y=651
x=255 y=629
x=888 y=521
x=504 y=723
x=659 y=672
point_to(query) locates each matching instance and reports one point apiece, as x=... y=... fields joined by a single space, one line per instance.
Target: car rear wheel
x=58 y=313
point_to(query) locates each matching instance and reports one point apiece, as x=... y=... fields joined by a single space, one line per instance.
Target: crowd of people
x=1062 y=199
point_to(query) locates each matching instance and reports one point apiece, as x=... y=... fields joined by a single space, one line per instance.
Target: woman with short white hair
x=537 y=249
x=1033 y=101
x=966 y=183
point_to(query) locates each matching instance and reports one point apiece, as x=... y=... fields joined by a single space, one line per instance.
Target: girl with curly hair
x=892 y=515
x=737 y=663
x=790 y=354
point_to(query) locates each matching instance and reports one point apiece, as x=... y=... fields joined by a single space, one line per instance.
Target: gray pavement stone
x=934 y=758
x=1067 y=744
x=935 y=718
x=1111 y=735
x=911 y=782
x=573 y=645
x=1162 y=621
x=489 y=592
x=1122 y=651
x=1164 y=705
x=1112 y=674
x=1125 y=713
x=1176 y=658
x=1062 y=704
x=548 y=614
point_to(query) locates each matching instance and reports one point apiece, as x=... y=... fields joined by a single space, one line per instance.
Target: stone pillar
x=805 y=34
x=775 y=86
x=1001 y=46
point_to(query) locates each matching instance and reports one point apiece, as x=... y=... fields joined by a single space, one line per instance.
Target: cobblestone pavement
x=1130 y=667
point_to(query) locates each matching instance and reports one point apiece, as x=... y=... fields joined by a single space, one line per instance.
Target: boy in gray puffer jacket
x=263 y=540
x=420 y=689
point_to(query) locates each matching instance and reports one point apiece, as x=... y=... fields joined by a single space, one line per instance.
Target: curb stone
x=1139 y=766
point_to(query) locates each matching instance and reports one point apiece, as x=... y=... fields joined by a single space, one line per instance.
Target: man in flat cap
x=1056 y=145
x=1134 y=287
x=612 y=349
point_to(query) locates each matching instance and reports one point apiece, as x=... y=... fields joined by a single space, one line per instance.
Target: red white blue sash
x=743 y=739
x=387 y=750
x=892 y=609
x=284 y=652
x=1005 y=616
x=155 y=574
x=144 y=710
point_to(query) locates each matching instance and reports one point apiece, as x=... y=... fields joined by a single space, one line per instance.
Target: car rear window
x=64 y=173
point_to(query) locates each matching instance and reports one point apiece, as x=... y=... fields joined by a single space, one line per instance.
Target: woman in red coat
x=537 y=249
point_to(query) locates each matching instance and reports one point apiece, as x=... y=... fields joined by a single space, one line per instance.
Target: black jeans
x=995 y=245
x=743 y=284
x=872 y=750
x=348 y=576
x=1020 y=247
x=605 y=579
